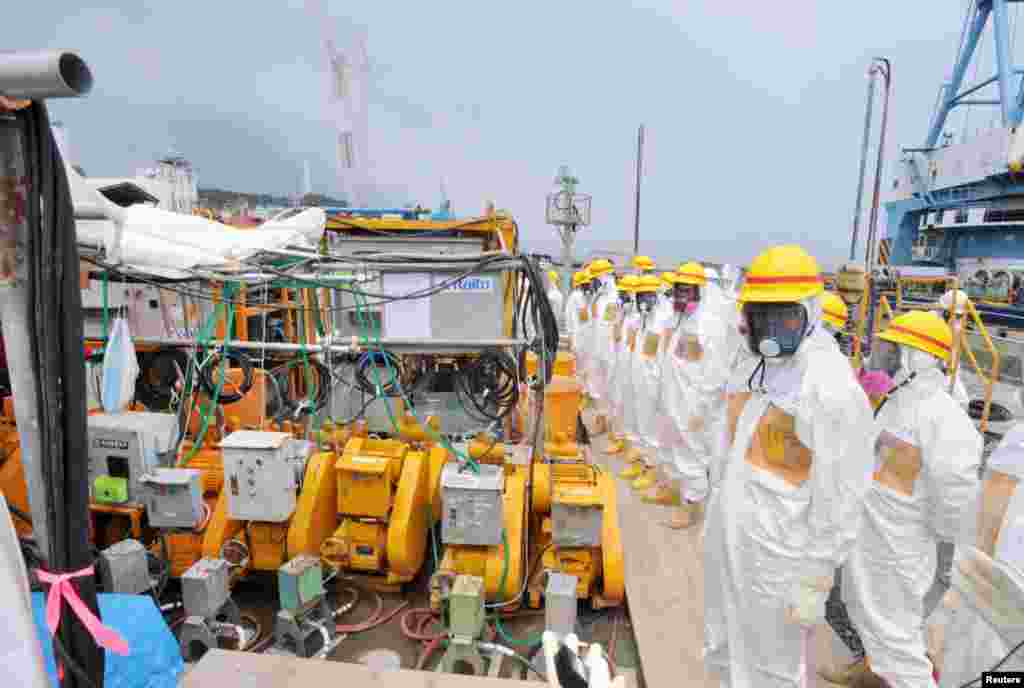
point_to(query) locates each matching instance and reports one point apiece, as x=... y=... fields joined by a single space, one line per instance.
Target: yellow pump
x=501 y=565
x=382 y=513
x=575 y=526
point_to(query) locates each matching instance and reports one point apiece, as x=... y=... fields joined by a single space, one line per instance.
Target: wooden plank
x=665 y=592
x=222 y=669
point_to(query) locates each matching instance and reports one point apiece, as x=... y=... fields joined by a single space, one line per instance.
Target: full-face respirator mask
x=685 y=298
x=774 y=330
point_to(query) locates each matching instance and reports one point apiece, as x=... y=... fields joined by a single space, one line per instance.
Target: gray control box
x=576 y=526
x=259 y=475
x=124 y=569
x=473 y=507
x=560 y=603
x=204 y=587
x=127 y=446
x=173 y=497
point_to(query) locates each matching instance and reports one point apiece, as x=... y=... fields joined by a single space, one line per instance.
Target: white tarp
x=169 y=244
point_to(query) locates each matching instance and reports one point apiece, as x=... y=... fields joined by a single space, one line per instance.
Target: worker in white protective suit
x=648 y=426
x=626 y=371
x=788 y=508
x=618 y=370
x=927 y=456
x=604 y=313
x=583 y=338
x=555 y=297
x=978 y=625
x=576 y=312
x=695 y=370
x=666 y=488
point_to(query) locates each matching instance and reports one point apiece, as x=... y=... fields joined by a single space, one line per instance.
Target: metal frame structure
x=952 y=95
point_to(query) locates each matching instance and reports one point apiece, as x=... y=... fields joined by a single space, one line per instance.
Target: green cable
x=529 y=641
x=105 y=291
x=204 y=338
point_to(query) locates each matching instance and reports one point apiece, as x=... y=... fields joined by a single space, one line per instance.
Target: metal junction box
x=124 y=568
x=577 y=515
x=122 y=448
x=173 y=497
x=560 y=603
x=473 y=507
x=299 y=583
x=259 y=476
x=204 y=587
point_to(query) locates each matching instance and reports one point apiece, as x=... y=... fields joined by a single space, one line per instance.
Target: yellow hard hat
x=628 y=283
x=833 y=310
x=580 y=278
x=782 y=274
x=647 y=284
x=553 y=276
x=690 y=273
x=601 y=266
x=667 y=278
x=920 y=330
x=643 y=263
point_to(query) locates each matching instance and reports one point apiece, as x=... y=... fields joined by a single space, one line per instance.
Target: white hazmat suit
x=926 y=462
x=788 y=509
x=695 y=369
x=618 y=369
x=982 y=616
x=604 y=312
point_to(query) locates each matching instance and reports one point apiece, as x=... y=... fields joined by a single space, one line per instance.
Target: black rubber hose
x=55 y=326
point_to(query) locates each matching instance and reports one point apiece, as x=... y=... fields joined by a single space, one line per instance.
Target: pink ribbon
x=62 y=589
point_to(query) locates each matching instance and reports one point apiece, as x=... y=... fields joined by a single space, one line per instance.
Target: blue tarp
x=153 y=659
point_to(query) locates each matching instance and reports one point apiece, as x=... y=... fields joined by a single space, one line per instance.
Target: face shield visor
x=774 y=330
x=685 y=297
x=625 y=297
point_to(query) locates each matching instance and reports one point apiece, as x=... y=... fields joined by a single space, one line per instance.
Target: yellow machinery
x=380 y=513
x=575 y=529
x=497 y=558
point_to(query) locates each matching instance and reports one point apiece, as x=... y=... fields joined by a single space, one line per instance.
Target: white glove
x=807 y=606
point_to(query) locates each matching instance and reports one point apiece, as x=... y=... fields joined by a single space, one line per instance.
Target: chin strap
x=762 y=367
x=893 y=391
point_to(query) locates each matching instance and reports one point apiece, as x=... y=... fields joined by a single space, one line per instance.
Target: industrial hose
x=241 y=361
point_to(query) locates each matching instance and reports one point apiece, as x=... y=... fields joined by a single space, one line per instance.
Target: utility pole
x=639 y=174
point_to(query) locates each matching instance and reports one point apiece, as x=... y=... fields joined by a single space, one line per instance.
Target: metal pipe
x=872 y=73
x=354 y=345
x=16 y=312
x=885 y=69
x=1001 y=31
x=639 y=174
x=37 y=74
x=958 y=74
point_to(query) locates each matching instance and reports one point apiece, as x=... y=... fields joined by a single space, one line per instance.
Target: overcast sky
x=753 y=109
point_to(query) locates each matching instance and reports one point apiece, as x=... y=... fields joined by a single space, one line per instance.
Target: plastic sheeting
x=153 y=659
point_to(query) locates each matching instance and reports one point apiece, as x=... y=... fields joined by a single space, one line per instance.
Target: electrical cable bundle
x=240 y=360
x=54 y=326
x=390 y=387
x=283 y=404
x=488 y=386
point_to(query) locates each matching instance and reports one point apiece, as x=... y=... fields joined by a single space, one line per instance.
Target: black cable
x=389 y=388
x=321 y=380
x=209 y=385
x=488 y=386
x=19 y=513
x=55 y=329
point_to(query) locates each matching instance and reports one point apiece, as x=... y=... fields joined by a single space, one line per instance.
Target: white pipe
x=37 y=74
